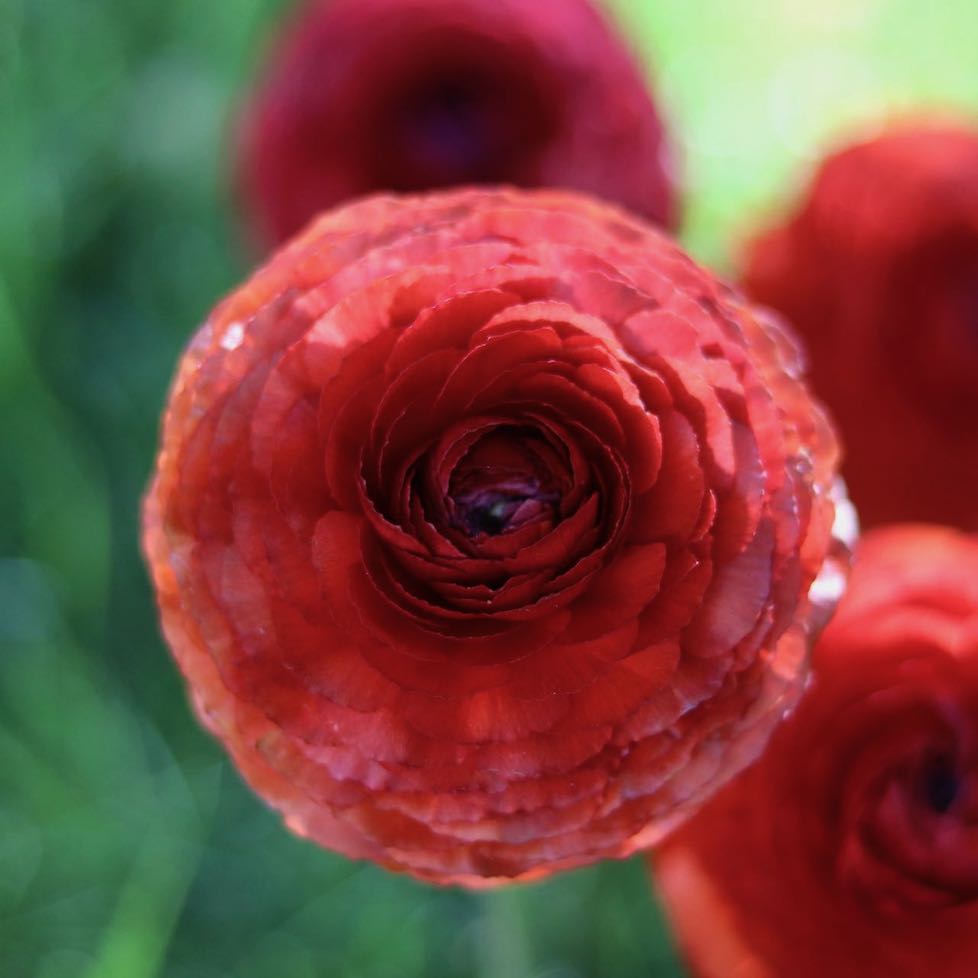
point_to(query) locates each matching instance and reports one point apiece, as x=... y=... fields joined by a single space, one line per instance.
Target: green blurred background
x=128 y=847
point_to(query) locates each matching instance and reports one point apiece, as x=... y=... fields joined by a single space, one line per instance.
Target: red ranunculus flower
x=878 y=270
x=483 y=529
x=851 y=848
x=410 y=95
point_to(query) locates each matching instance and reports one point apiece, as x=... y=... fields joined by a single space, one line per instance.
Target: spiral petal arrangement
x=490 y=532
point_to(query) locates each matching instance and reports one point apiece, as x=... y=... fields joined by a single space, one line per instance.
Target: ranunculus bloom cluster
x=408 y=95
x=484 y=529
x=878 y=270
x=851 y=848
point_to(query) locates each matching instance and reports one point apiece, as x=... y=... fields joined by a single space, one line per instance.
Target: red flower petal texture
x=878 y=270
x=484 y=529
x=362 y=96
x=851 y=848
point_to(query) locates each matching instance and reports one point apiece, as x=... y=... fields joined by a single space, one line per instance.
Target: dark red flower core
x=940 y=783
x=411 y=95
x=878 y=269
x=467 y=117
x=862 y=860
x=490 y=532
x=509 y=478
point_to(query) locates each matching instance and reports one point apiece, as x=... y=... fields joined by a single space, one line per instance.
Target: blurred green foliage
x=128 y=846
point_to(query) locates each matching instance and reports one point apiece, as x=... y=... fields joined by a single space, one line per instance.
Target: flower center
x=504 y=507
x=469 y=114
x=505 y=481
x=448 y=127
x=940 y=785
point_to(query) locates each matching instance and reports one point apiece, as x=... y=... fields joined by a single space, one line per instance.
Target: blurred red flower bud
x=851 y=848
x=408 y=95
x=484 y=529
x=878 y=270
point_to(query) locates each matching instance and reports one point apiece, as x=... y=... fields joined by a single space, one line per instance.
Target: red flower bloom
x=483 y=529
x=851 y=848
x=878 y=270
x=409 y=95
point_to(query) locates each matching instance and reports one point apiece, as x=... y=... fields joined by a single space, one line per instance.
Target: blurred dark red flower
x=851 y=848
x=483 y=529
x=878 y=270
x=409 y=95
